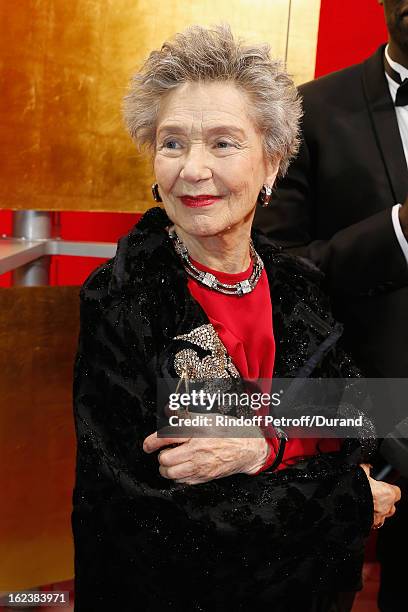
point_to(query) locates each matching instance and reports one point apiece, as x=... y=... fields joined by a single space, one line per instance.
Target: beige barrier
x=38 y=336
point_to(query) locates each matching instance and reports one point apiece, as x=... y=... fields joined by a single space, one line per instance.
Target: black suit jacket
x=335 y=207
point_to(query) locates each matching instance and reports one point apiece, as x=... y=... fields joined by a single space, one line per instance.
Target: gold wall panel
x=64 y=70
x=38 y=337
x=302 y=39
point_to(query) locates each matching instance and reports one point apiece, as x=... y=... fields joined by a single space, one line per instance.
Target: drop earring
x=264 y=196
x=155 y=192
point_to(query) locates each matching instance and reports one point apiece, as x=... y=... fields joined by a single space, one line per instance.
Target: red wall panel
x=349 y=31
x=107 y=227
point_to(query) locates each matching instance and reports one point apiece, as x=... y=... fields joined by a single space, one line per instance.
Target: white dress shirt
x=402 y=119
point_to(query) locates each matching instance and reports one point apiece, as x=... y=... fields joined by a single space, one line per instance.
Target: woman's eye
x=224 y=144
x=171 y=144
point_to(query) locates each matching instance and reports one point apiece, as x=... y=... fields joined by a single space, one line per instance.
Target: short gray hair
x=212 y=54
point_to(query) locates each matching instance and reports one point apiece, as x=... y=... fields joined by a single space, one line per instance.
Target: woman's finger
x=153 y=442
x=391 y=512
x=385 y=495
x=366 y=467
x=174 y=456
x=175 y=472
x=397 y=492
x=380 y=517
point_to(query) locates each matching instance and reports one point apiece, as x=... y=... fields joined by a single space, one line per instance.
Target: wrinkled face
x=209 y=160
x=396 y=16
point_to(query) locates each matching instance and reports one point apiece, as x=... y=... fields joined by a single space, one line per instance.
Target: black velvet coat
x=239 y=543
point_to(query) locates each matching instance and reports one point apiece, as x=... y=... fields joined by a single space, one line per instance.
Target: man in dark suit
x=340 y=205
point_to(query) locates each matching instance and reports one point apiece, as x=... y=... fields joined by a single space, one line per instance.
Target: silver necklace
x=211 y=281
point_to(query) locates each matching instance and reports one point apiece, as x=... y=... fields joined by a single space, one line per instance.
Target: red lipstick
x=198 y=201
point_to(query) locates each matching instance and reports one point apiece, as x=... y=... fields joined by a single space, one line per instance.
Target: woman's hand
x=385 y=497
x=198 y=460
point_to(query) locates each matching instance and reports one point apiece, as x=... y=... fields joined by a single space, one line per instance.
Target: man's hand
x=198 y=460
x=403 y=217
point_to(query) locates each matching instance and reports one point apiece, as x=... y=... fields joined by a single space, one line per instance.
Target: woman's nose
x=196 y=167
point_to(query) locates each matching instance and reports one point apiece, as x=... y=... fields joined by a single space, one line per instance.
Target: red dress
x=244 y=325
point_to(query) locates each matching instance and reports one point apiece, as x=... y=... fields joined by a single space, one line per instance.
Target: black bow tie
x=402 y=91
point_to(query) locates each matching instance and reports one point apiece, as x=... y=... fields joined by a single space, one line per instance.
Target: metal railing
x=27 y=253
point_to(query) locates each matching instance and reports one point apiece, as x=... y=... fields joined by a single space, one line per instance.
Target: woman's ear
x=272 y=169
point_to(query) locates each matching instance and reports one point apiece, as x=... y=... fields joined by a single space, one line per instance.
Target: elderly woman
x=211 y=523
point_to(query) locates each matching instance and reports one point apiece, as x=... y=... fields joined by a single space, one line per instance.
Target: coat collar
x=141 y=251
x=147 y=265
x=384 y=120
x=147 y=248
